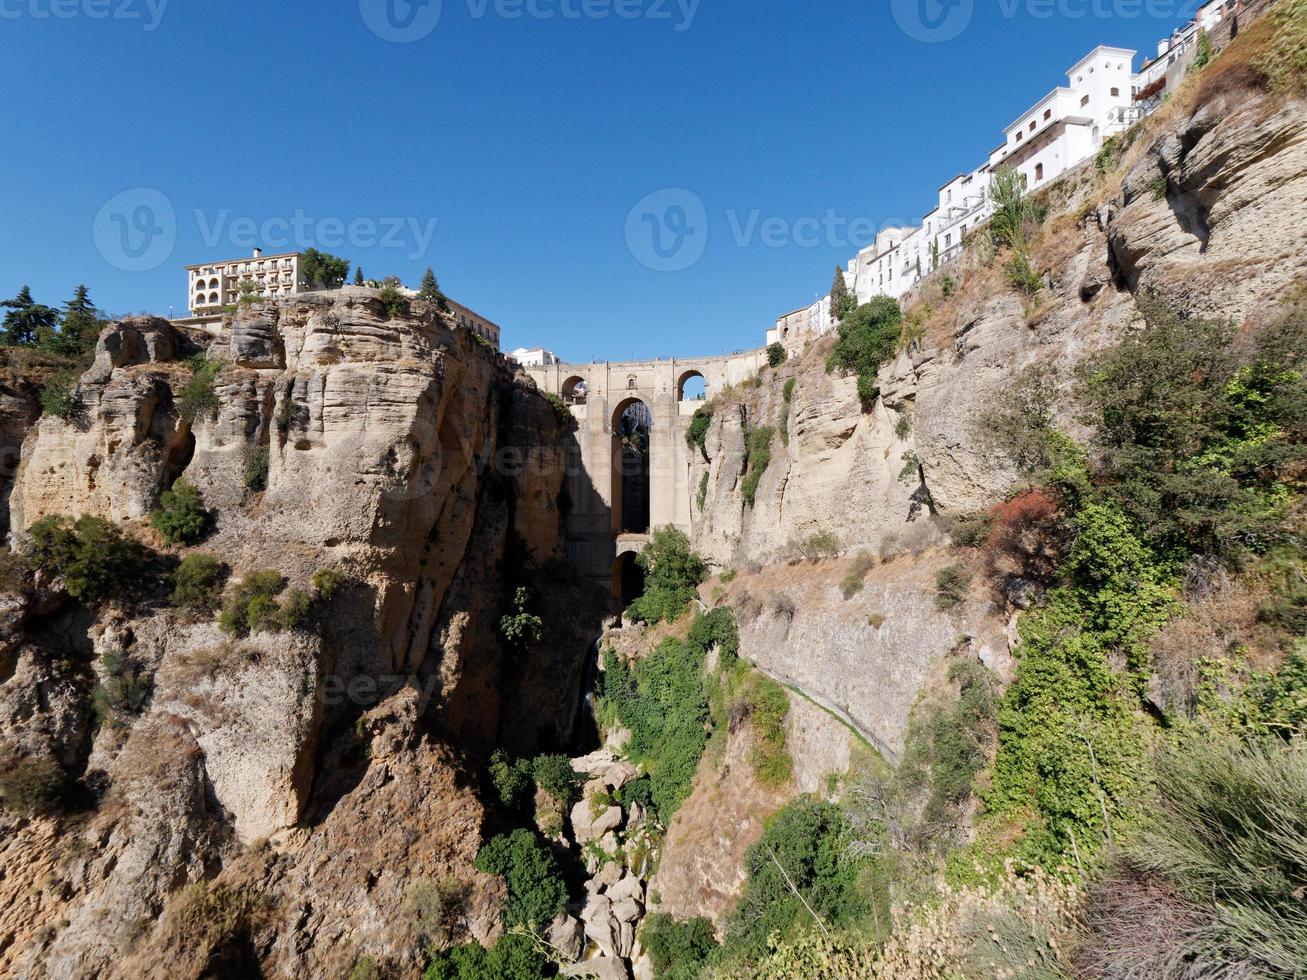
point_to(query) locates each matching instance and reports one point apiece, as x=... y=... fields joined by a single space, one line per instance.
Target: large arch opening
x=632 y=425
x=575 y=391
x=692 y=387
x=628 y=578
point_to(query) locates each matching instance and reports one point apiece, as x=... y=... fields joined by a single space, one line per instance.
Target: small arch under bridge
x=612 y=449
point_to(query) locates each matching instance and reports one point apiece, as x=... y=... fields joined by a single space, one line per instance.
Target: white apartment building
x=535 y=357
x=213 y=286
x=1103 y=96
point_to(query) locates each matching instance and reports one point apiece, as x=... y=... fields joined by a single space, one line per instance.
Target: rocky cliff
x=320 y=768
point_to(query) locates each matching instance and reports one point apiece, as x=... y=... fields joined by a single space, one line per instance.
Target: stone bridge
x=601 y=483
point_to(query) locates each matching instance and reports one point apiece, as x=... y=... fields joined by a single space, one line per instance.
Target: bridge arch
x=632 y=447
x=691 y=386
x=575 y=390
x=627 y=578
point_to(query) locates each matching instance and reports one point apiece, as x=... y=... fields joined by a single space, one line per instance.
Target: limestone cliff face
x=401 y=454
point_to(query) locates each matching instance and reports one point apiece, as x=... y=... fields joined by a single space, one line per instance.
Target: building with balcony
x=211 y=286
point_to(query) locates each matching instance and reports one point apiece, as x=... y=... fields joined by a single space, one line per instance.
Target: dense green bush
x=696 y=434
x=521 y=627
x=971 y=531
x=91 y=555
x=757 y=457
x=554 y=774
x=661 y=699
x=509 y=778
x=180 y=516
x=562 y=414
x=393 y=302
x=198 y=398
x=702 y=496
x=776 y=355
x=804 y=848
x=252 y=605
x=716 y=628
x=59 y=396
x=678 y=949
x=256 y=469
x=672 y=575
x=768 y=707
x=513 y=957
x=868 y=337
x=197 y=582
x=535 y=885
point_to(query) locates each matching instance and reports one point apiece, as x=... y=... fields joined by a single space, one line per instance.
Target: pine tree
x=79 y=327
x=26 y=320
x=358 y=275
x=839 y=296
x=429 y=291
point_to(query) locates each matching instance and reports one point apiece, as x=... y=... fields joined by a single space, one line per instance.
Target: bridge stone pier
x=602 y=540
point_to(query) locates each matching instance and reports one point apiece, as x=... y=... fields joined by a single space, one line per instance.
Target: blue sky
x=526 y=139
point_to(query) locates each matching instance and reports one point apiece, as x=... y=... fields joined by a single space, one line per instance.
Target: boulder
x=604 y=968
x=629 y=887
x=601 y=927
x=566 y=934
x=587 y=828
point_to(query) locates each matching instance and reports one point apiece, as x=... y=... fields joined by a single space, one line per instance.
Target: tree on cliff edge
x=26 y=320
x=429 y=291
x=840 y=300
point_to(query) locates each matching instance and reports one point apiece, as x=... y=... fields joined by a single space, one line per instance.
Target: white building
x=535 y=357
x=214 y=286
x=1103 y=96
x=211 y=286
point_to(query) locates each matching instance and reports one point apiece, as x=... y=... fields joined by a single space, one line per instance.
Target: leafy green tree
x=678 y=949
x=535 y=885
x=429 y=291
x=180 y=516
x=91 y=555
x=197 y=582
x=514 y=957
x=358 y=276
x=27 y=320
x=59 y=396
x=776 y=355
x=323 y=270
x=672 y=575
x=868 y=337
x=198 y=398
x=79 y=326
x=555 y=775
x=510 y=778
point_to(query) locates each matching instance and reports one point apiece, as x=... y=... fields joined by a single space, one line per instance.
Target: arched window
x=691 y=387
x=632 y=425
x=575 y=390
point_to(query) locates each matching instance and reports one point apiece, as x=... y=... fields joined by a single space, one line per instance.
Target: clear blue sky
x=528 y=140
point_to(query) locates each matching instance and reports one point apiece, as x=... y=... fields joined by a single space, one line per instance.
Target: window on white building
x=1084 y=102
x=1039 y=171
x=1048 y=113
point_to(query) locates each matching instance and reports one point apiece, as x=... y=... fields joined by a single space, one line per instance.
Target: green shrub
x=253 y=606
x=91 y=555
x=197 y=582
x=716 y=628
x=510 y=778
x=521 y=627
x=180 y=516
x=757 y=457
x=678 y=949
x=768 y=707
x=804 y=848
x=868 y=337
x=31 y=784
x=1224 y=851
x=326 y=583
x=513 y=957
x=256 y=469
x=1023 y=275
x=1014 y=211
x=951 y=587
x=124 y=688
x=823 y=544
x=554 y=774
x=702 y=496
x=696 y=434
x=393 y=302
x=903 y=424
x=198 y=398
x=672 y=575
x=971 y=531
x=562 y=414
x=59 y=396
x=787 y=392
x=662 y=701
x=535 y=885
x=776 y=355
x=854 y=581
